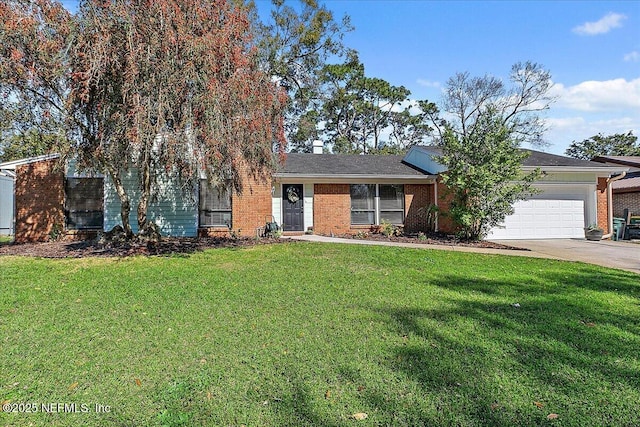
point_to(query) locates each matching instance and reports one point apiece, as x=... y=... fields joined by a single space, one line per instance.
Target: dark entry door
x=292 y=207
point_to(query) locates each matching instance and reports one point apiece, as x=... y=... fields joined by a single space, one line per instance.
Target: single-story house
x=326 y=193
x=626 y=191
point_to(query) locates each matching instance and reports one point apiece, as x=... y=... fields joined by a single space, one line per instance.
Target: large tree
x=484 y=174
x=295 y=42
x=165 y=86
x=34 y=83
x=519 y=105
x=364 y=114
x=481 y=131
x=619 y=144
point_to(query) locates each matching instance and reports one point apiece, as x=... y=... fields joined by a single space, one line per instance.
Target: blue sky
x=592 y=49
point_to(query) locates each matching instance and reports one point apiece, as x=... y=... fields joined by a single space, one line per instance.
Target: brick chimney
x=317 y=146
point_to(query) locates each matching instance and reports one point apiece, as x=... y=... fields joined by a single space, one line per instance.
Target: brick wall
x=331 y=208
x=622 y=201
x=445 y=223
x=249 y=210
x=602 y=206
x=39 y=201
x=417 y=196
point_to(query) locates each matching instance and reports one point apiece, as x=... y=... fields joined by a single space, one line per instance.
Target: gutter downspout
x=435 y=195
x=610 y=181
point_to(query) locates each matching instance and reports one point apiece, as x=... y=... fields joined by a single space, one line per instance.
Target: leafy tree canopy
x=619 y=144
x=165 y=86
x=358 y=110
x=294 y=43
x=484 y=174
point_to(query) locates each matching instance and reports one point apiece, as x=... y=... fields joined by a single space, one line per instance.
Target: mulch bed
x=166 y=246
x=436 y=239
x=186 y=245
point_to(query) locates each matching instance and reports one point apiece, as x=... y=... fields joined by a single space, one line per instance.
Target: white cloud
x=632 y=56
x=590 y=108
x=429 y=83
x=564 y=130
x=608 y=95
x=603 y=25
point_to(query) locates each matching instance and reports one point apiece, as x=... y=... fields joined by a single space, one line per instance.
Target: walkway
x=622 y=255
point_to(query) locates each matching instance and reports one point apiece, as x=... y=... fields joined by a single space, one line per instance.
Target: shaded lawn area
x=309 y=334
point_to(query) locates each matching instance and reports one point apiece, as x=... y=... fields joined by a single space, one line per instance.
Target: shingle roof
x=541 y=159
x=393 y=166
x=538 y=159
x=629 y=182
x=622 y=160
x=346 y=164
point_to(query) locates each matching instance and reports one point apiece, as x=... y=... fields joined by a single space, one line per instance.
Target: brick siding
x=602 y=206
x=249 y=210
x=417 y=196
x=445 y=223
x=39 y=195
x=622 y=201
x=331 y=208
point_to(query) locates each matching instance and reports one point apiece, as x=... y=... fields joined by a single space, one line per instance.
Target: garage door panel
x=543 y=219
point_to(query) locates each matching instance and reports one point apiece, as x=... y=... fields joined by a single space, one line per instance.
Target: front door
x=292 y=207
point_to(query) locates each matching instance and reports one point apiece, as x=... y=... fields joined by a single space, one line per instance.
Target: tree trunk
x=145 y=191
x=125 y=204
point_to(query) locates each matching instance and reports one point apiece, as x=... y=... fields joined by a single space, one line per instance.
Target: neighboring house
x=326 y=193
x=6 y=204
x=626 y=191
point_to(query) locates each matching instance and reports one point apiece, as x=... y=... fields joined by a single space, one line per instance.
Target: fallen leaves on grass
x=138 y=382
x=538 y=404
x=73 y=386
x=552 y=416
x=359 y=416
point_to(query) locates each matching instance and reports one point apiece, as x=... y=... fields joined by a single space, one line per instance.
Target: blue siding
x=175 y=211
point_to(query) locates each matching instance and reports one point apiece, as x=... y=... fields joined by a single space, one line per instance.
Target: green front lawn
x=310 y=334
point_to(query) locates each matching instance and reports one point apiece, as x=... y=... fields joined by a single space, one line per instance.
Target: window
x=391 y=203
x=363 y=210
x=215 y=206
x=84 y=203
x=375 y=203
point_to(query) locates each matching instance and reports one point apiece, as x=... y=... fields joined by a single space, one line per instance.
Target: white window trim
x=376 y=206
x=200 y=210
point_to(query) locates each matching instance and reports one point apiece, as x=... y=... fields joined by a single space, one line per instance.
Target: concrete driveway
x=622 y=255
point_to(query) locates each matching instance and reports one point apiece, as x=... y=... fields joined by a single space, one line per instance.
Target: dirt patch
x=166 y=246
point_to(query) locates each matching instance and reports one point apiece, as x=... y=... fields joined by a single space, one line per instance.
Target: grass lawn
x=310 y=334
x=5 y=239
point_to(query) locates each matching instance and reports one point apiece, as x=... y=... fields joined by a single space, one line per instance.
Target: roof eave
x=351 y=176
x=11 y=165
x=604 y=170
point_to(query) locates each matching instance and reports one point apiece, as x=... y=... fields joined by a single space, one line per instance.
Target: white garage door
x=543 y=219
